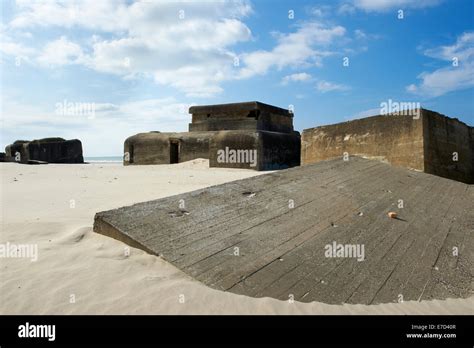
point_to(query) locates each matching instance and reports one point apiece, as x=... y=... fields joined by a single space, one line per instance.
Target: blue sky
x=142 y=64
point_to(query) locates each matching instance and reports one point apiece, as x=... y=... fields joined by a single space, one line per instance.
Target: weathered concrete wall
x=272 y=150
x=51 y=150
x=55 y=151
x=240 y=116
x=147 y=148
x=280 y=150
x=12 y=149
x=223 y=124
x=443 y=137
x=154 y=147
x=394 y=139
x=234 y=141
x=273 y=122
x=427 y=143
x=195 y=145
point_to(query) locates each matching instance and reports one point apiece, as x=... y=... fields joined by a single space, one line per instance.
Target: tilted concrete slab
x=269 y=236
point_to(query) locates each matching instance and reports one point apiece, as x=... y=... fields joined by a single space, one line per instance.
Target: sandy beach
x=81 y=272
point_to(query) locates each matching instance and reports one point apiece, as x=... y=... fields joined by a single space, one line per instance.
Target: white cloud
x=305 y=47
x=449 y=78
x=10 y=46
x=326 y=86
x=463 y=49
x=346 y=9
x=186 y=44
x=187 y=56
x=412 y=88
x=321 y=86
x=360 y=34
x=60 y=52
x=319 y=10
x=139 y=19
x=299 y=77
x=385 y=5
x=15 y=49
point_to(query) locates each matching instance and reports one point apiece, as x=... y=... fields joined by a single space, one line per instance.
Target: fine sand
x=81 y=272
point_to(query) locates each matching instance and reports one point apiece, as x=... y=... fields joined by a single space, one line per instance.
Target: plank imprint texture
x=315 y=233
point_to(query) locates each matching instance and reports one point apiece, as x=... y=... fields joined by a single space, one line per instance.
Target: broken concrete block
x=50 y=150
x=419 y=139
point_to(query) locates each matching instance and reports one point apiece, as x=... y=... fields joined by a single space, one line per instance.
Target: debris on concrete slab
x=235 y=244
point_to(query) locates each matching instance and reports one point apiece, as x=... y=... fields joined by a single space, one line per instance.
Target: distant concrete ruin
x=421 y=139
x=47 y=150
x=250 y=135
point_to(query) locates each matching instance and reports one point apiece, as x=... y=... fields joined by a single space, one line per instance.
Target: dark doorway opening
x=254 y=114
x=174 y=152
x=130 y=154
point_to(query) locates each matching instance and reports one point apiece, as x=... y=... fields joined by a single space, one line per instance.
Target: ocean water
x=104 y=159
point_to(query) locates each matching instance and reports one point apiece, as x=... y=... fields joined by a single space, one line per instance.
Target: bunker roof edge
x=245 y=106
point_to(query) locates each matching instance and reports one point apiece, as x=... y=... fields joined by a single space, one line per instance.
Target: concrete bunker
x=423 y=140
x=265 y=130
x=47 y=150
